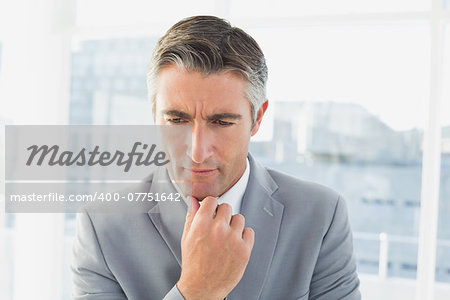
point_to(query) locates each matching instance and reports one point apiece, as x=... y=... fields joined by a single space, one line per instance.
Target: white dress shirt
x=235 y=194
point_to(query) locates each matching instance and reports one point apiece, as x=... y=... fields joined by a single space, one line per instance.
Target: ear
x=259 y=116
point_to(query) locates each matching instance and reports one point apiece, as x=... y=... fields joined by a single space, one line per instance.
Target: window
x=6 y=236
x=443 y=244
x=337 y=93
x=117 y=13
x=349 y=88
x=286 y=8
x=108 y=81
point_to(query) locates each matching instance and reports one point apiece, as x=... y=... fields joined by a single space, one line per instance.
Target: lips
x=202 y=172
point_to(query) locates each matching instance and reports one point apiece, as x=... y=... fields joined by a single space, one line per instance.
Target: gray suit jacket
x=303 y=245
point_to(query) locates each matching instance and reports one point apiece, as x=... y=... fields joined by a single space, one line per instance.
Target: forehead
x=178 y=87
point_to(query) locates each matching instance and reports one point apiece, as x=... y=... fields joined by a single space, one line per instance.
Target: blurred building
x=108 y=81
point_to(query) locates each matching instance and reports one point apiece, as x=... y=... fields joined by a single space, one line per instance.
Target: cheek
x=176 y=140
x=234 y=146
x=233 y=139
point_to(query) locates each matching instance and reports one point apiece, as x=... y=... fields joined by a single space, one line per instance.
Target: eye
x=224 y=123
x=175 y=120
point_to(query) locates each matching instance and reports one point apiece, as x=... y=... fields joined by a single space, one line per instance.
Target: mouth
x=202 y=172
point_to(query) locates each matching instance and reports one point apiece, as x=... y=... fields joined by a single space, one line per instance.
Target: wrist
x=186 y=292
x=189 y=293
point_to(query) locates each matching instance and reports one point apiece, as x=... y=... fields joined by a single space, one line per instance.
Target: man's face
x=219 y=116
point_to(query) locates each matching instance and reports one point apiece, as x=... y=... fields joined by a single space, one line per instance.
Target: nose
x=202 y=144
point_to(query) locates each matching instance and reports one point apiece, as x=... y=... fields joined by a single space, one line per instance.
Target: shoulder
x=290 y=187
x=291 y=184
x=310 y=200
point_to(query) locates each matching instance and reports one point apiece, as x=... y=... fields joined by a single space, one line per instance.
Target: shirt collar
x=235 y=194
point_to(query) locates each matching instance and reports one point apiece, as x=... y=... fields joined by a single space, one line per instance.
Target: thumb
x=191 y=212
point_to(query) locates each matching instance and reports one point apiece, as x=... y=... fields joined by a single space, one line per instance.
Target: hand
x=215 y=250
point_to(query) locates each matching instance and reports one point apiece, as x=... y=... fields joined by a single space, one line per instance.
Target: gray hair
x=209 y=45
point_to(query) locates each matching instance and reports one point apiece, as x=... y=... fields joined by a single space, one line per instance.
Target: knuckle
x=225 y=209
x=236 y=240
x=239 y=218
x=210 y=199
x=245 y=250
x=203 y=220
x=225 y=205
x=248 y=252
x=219 y=228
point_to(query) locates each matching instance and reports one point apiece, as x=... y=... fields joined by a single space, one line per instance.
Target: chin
x=201 y=191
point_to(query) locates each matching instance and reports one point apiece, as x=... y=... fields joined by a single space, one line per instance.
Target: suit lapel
x=168 y=216
x=263 y=214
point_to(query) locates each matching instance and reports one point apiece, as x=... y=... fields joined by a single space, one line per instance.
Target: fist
x=215 y=250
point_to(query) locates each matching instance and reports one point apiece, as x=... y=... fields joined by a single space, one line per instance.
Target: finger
x=248 y=235
x=195 y=205
x=237 y=222
x=191 y=213
x=208 y=207
x=224 y=212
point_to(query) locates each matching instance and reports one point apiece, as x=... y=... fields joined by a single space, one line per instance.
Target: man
x=297 y=243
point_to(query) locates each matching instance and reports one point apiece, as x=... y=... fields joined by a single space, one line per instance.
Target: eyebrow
x=183 y=115
x=226 y=116
x=177 y=113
